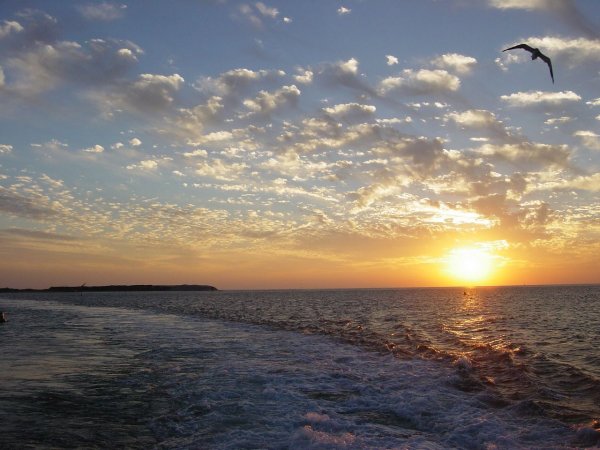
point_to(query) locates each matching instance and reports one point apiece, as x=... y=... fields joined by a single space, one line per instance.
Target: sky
x=299 y=144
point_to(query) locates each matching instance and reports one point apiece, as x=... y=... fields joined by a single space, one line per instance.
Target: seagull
x=535 y=54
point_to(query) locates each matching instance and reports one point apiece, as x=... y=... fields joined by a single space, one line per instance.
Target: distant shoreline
x=117 y=288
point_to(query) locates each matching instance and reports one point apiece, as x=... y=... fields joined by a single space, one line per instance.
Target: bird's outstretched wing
x=523 y=46
x=547 y=61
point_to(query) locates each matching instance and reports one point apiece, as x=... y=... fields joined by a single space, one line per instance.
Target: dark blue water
x=514 y=367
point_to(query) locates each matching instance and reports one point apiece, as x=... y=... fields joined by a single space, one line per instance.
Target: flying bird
x=535 y=54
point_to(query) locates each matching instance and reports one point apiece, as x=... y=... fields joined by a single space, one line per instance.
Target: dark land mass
x=118 y=288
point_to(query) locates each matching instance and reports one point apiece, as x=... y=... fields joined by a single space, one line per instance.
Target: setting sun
x=469 y=264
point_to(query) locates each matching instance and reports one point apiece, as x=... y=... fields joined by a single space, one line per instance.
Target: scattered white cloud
x=5 y=148
x=53 y=145
x=236 y=82
x=346 y=109
x=595 y=102
x=531 y=153
x=573 y=52
x=589 y=139
x=422 y=81
x=530 y=98
x=256 y=13
x=304 y=77
x=558 y=120
x=474 y=118
x=523 y=4
x=10 y=27
x=453 y=61
x=342 y=10
x=266 y=11
x=198 y=152
x=241 y=137
x=566 y=11
x=267 y=102
x=102 y=11
x=220 y=170
x=39 y=67
x=127 y=54
x=149 y=165
x=391 y=60
x=94 y=149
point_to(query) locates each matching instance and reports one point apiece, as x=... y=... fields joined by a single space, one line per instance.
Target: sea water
x=485 y=368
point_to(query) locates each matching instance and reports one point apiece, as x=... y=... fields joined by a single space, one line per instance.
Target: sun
x=469 y=264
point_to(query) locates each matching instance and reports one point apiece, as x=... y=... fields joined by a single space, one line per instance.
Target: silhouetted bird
x=535 y=54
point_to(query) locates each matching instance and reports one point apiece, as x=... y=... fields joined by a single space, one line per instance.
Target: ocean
x=478 y=368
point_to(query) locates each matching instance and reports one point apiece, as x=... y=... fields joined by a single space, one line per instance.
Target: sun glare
x=469 y=264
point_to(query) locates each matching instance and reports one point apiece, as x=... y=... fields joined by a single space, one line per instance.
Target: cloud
x=474 y=118
x=582 y=182
x=9 y=27
x=154 y=91
x=94 y=149
x=368 y=195
x=531 y=98
x=135 y=142
x=197 y=152
x=220 y=170
x=53 y=145
x=102 y=11
x=570 y=51
x=45 y=66
x=342 y=10
x=453 y=61
x=589 y=139
x=595 y=102
x=426 y=154
x=526 y=4
x=564 y=10
x=266 y=11
x=236 y=82
x=37 y=235
x=5 y=148
x=347 y=110
x=304 y=77
x=267 y=102
x=480 y=119
x=345 y=73
x=247 y=14
x=528 y=153
x=148 y=165
x=419 y=82
x=558 y=120
x=35 y=207
x=391 y=60
x=148 y=94
x=254 y=14
x=190 y=122
x=37 y=28
x=586 y=182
